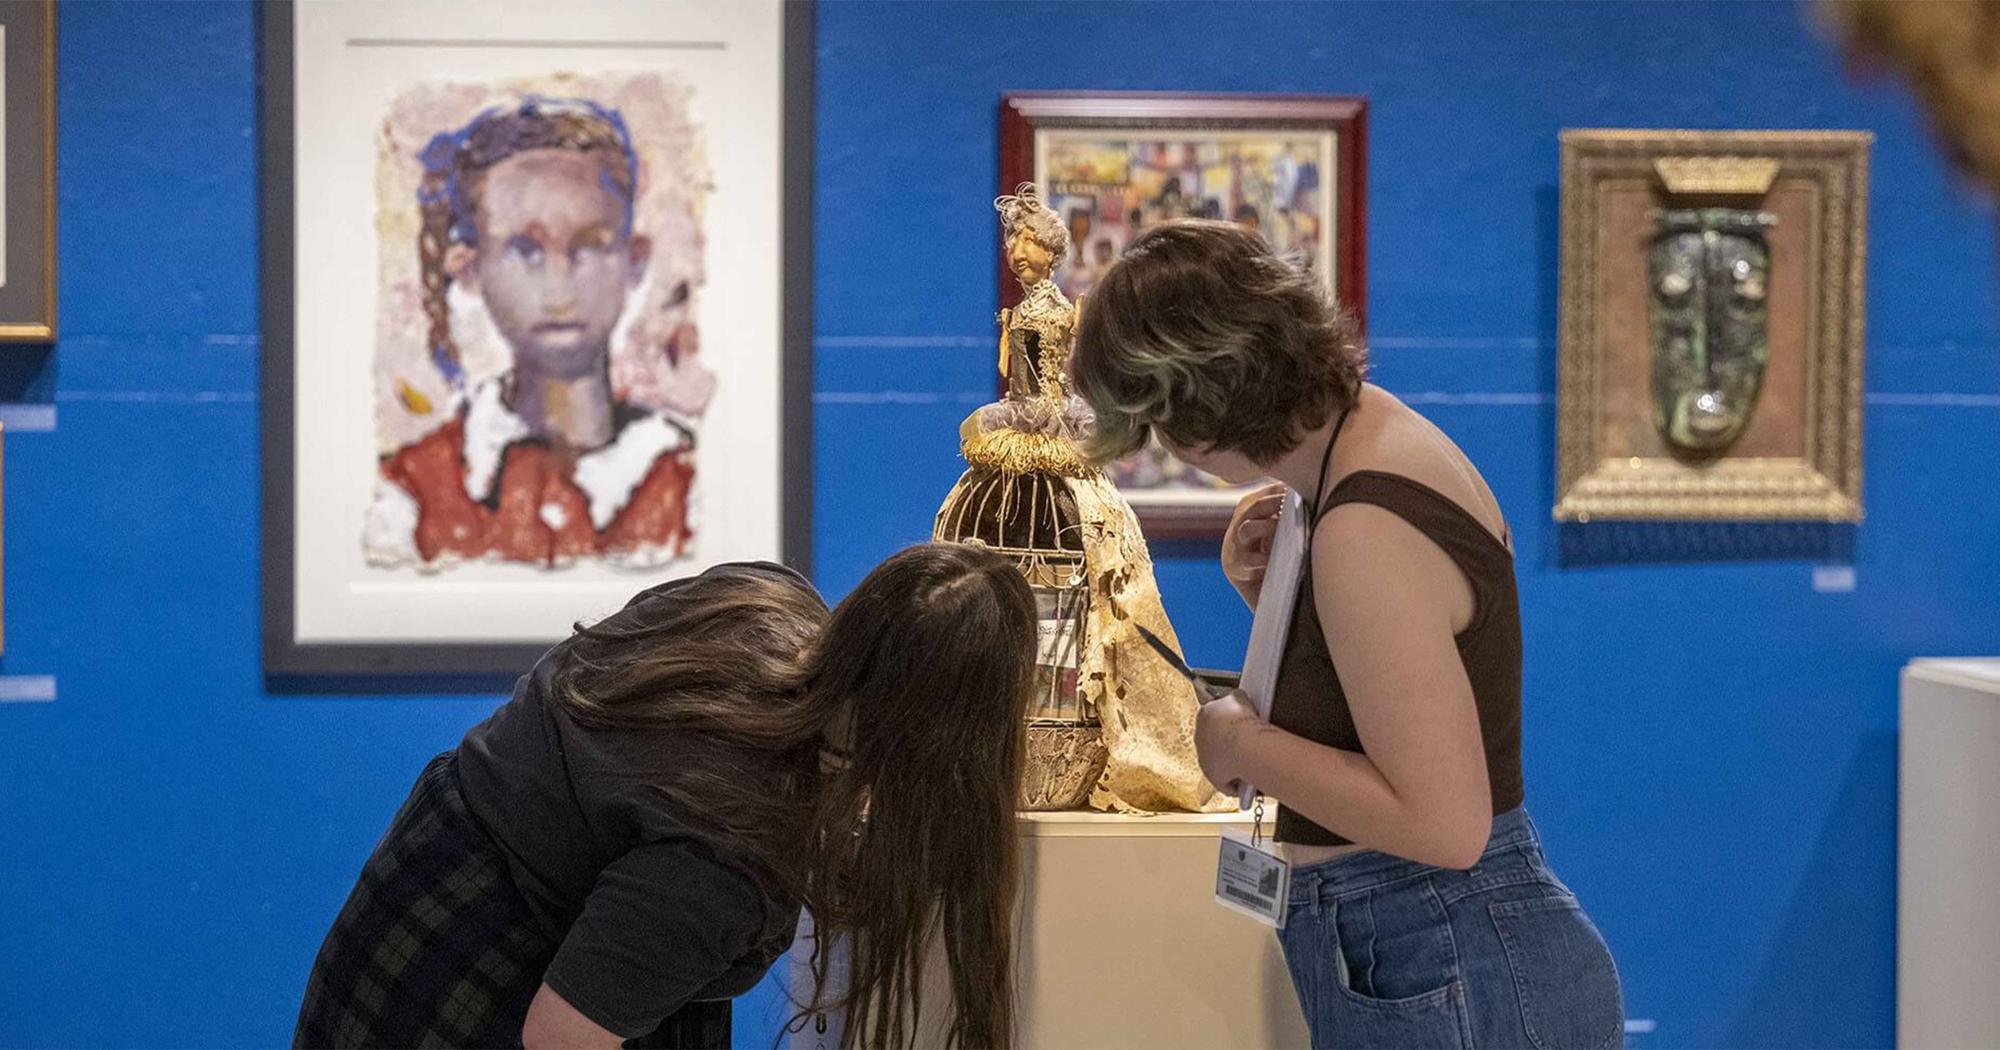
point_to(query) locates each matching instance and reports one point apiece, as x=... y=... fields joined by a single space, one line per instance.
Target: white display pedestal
x=1121 y=943
x=1948 y=855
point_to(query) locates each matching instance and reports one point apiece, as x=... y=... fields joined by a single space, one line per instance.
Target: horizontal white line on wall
x=1439 y=397
x=1448 y=342
x=153 y=397
x=1377 y=342
x=1418 y=397
x=27 y=688
x=900 y=342
x=1940 y=400
x=28 y=419
x=1947 y=345
x=897 y=397
x=1381 y=342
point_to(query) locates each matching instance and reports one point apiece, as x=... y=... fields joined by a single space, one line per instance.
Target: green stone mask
x=1709 y=272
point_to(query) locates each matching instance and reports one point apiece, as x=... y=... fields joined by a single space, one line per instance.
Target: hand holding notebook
x=1276 y=599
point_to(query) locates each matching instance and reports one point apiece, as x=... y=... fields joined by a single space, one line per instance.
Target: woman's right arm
x=664 y=921
x=553 y=1023
x=1246 y=544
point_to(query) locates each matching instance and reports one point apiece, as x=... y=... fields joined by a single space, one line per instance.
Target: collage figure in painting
x=539 y=387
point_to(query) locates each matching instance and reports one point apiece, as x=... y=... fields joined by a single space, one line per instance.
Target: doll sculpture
x=1111 y=724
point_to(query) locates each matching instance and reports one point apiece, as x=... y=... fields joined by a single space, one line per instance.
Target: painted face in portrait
x=554 y=259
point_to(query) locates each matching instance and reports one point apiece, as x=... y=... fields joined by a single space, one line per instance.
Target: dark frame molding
x=1022 y=114
x=431 y=667
x=28 y=302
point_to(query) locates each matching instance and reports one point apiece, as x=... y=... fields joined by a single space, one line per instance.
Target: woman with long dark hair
x=1423 y=912
x=627 y=842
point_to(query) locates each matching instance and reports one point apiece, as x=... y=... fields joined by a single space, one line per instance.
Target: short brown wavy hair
x=1204 y=333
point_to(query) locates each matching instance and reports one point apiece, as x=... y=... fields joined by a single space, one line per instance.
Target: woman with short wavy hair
x=1423 y=912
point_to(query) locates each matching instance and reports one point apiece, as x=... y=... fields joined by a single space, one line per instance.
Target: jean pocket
x=1396 y=979
x=1564 y=979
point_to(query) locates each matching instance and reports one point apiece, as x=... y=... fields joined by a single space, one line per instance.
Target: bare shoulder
x=1389 y=436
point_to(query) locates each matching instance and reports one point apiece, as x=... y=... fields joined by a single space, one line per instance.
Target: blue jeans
x=1387 y=952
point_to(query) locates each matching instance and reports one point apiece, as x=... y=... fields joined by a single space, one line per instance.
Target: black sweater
x=649 y=914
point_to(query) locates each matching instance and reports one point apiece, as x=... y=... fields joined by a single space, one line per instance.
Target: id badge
x=1251 y=879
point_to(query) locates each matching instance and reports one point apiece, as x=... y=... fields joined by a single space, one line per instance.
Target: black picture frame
x=28 y=298
x=291 y=665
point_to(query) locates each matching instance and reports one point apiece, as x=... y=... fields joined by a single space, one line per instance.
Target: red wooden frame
x=1022 y=114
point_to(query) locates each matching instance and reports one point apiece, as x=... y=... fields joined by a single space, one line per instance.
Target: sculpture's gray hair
x=1025 y=207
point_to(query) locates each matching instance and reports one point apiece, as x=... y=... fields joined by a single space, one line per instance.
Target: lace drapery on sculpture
x=1111 y=725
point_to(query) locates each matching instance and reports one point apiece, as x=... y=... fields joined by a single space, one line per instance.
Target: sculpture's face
x=1027 y=258
x=1709 y=273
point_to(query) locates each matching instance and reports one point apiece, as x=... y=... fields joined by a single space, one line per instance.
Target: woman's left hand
x=1220 y=728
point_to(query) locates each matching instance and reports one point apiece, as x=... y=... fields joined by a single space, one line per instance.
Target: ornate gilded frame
x=1824 y=484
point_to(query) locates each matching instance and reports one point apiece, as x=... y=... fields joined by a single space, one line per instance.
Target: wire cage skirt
x=1033 y=518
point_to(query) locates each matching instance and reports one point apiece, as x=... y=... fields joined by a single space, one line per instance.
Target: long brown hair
x=924 y=672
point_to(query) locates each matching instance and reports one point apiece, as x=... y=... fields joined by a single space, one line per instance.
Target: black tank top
x=1308 y=699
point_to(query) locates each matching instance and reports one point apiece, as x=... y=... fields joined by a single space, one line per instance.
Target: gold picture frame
x=1799 y=457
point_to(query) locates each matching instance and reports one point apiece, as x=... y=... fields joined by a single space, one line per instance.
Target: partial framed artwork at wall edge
x=1712 y=316
x=1114 y=163
x=542 y=339
x=28 y=171
x=27 y=180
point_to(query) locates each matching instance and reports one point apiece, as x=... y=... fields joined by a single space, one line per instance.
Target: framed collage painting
x=536 y=318
x=1113 y=164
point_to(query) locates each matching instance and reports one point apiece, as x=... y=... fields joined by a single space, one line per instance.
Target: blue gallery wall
x=1711 y=746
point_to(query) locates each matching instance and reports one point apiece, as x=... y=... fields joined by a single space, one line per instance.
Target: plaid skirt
x=437 y=948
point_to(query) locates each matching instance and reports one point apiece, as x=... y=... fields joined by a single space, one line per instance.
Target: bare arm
x=1387 y=598
x=553 y=1023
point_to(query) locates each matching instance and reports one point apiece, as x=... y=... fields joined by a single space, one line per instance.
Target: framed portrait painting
x=1712 y=323
x=535 y=314
x=1113 y=164
x=28 y=171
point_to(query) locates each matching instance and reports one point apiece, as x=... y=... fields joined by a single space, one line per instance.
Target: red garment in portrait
x=482 y=488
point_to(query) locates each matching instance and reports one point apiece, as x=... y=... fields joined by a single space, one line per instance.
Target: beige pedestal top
x=1123 y=945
